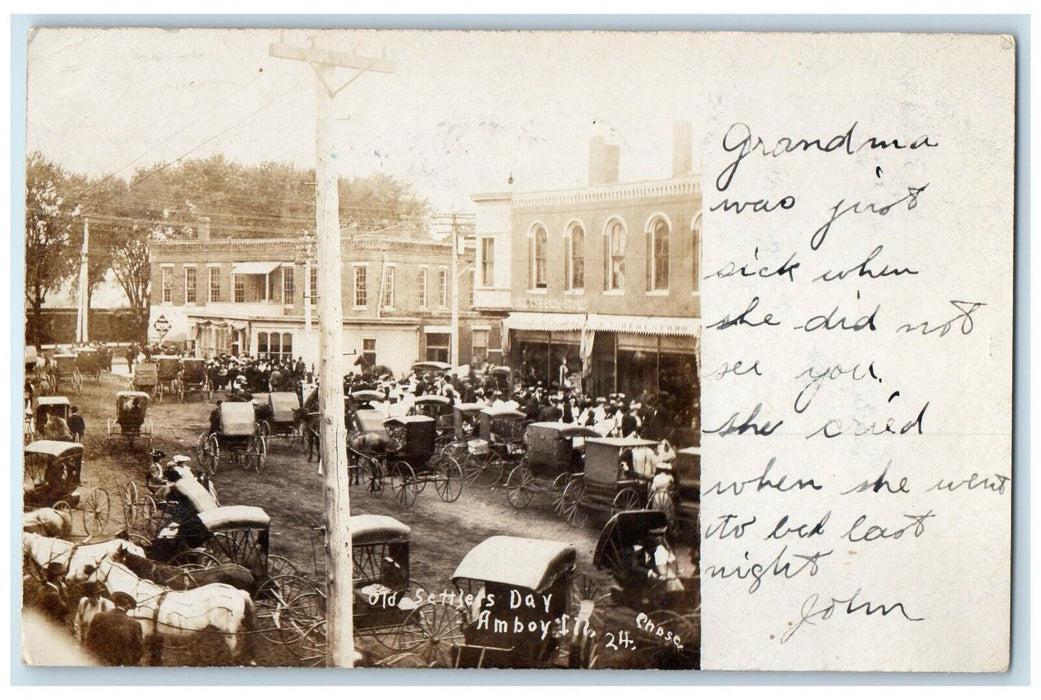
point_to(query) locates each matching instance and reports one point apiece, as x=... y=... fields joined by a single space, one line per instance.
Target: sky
x=460 y=114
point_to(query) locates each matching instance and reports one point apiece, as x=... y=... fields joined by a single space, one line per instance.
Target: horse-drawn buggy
x=431 y=367
x=168 y=377
x=511 y=584
x=440 y=409
x=194 y=378
x=466 y=424
x=281 y=419
x=89 y=363
x=46 y=408
x=647 y=579
x=501 y=445
x=65 y=372
x=145 y=378
x=402 y=449
x=131 y=421
x=554 y=454
x=236 y=439
x=52 y=479
x=612 y=481
x=679 y=497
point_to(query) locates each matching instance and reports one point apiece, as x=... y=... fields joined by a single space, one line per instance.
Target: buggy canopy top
x=53 y=448
x=283 y=405
x=53 y=401
x=502 y=412
x=228 y=517
x=516 y=561
x=375 y=529
x=237 y=419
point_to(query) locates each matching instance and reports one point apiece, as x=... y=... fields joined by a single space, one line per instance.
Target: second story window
x=388 y=288
x=487 y=262
x=658 y=255
x=361 y=285
x=240 y=289
x=614 y=256
x=695 y=256
x=422 y=287
x=167 y=285
x=189 y=285
x=537 y=254
x=442 y=286
x=214 y=284
x=288 y=288
x=575 y=256
x=314 y=284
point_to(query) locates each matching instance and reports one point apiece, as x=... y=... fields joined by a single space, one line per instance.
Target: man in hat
x=215 y=418
x=90 y=605
x=52 y=596
x=77 y=425
x=116 y=637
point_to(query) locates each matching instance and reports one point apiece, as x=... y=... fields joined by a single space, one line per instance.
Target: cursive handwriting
x=762 y=483
x=731 y=426
x=784 y=565
x=837 y=212
x=785 y=269
x=863 y=269
x=742 y=318
x=965 y=311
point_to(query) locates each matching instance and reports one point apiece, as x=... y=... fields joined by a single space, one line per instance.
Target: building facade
x=259 y=297
x=602 y=283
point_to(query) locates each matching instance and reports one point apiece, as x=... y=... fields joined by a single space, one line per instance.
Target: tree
x=51 y=253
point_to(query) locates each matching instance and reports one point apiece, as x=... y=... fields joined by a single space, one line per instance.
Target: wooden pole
x=84 y=306
x=339 y=590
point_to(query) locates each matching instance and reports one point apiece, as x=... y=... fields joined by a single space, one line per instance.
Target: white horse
x=170 y=613
x=49 y=522
x=74 y=558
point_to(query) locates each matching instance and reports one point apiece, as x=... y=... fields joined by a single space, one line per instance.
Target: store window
x=438 y=347
x=442 y=286
x=537 y=256
x=288 y=287
x=658 y=255
x=575 y=256
x=479 y=346
x=368 y=351
x=189 y=285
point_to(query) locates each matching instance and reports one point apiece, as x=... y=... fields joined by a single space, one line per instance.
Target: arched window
x=537 y=253
x=614 y=255
x=658 y=254
x=695 y=254
x=575 y=255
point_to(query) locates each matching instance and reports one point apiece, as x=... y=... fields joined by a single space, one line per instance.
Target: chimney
x=203 y=233
x=682 y=149
x=603 y=162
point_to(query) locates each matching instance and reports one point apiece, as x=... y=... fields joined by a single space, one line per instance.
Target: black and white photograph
x=362 y=349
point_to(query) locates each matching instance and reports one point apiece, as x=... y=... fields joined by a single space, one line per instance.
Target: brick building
x=603 y=278
x=248 y=297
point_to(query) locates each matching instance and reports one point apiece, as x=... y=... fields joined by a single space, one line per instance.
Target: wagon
x=501 y=444
x=647 y=579
x=511 y=583
x=281 y=422
x=145 y=378
x=130 y=422
x=66 y=372
x=402 y=450
x=194 y=377
x=52 y=479
x=609 y=483
x=440 y=409
x=89 y=364
x=680 y=501
x=168 y=377
x=396 y=621
x=362 y=399
x=465 y=427
x=50 y=406
x=238 y=440
x=551 y=459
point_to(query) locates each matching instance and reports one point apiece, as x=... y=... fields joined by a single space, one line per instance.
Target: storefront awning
x=550 y=322
x=646 y=325
x=255 y=268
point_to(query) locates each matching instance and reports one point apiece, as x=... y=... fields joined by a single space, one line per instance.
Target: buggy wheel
x=64 y=507
x=571 y=503
x=300 y=438
x=449 y=483
x=474 y=466
x=263 y=428
x=403 y=481
x=287 y=608
x=213 y=448
x=197 y=557
x=370 y=473
x=662 y=501
x=656 y=653
x=311 y=650
x=179 y=390
x=95 y=507
x=140 y=540
x=626 y=499
x=557 y=489
x=279 y=566
x=256 y=454
x=520 y=486
x=430 y=632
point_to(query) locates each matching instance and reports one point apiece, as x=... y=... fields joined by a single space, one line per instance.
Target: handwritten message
x=857 y=479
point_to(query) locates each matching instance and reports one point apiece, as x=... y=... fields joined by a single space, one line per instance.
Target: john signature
x=815 y=610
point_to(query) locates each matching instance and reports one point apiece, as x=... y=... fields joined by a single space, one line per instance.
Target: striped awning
x=646 y=325
x=551 y=322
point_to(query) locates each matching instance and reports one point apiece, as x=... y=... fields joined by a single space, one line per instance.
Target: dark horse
x=307 y=419
x=181 y=580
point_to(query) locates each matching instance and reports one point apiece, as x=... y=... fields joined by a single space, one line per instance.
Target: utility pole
x=455 y=292
x=83 y=307
x=340 y=587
